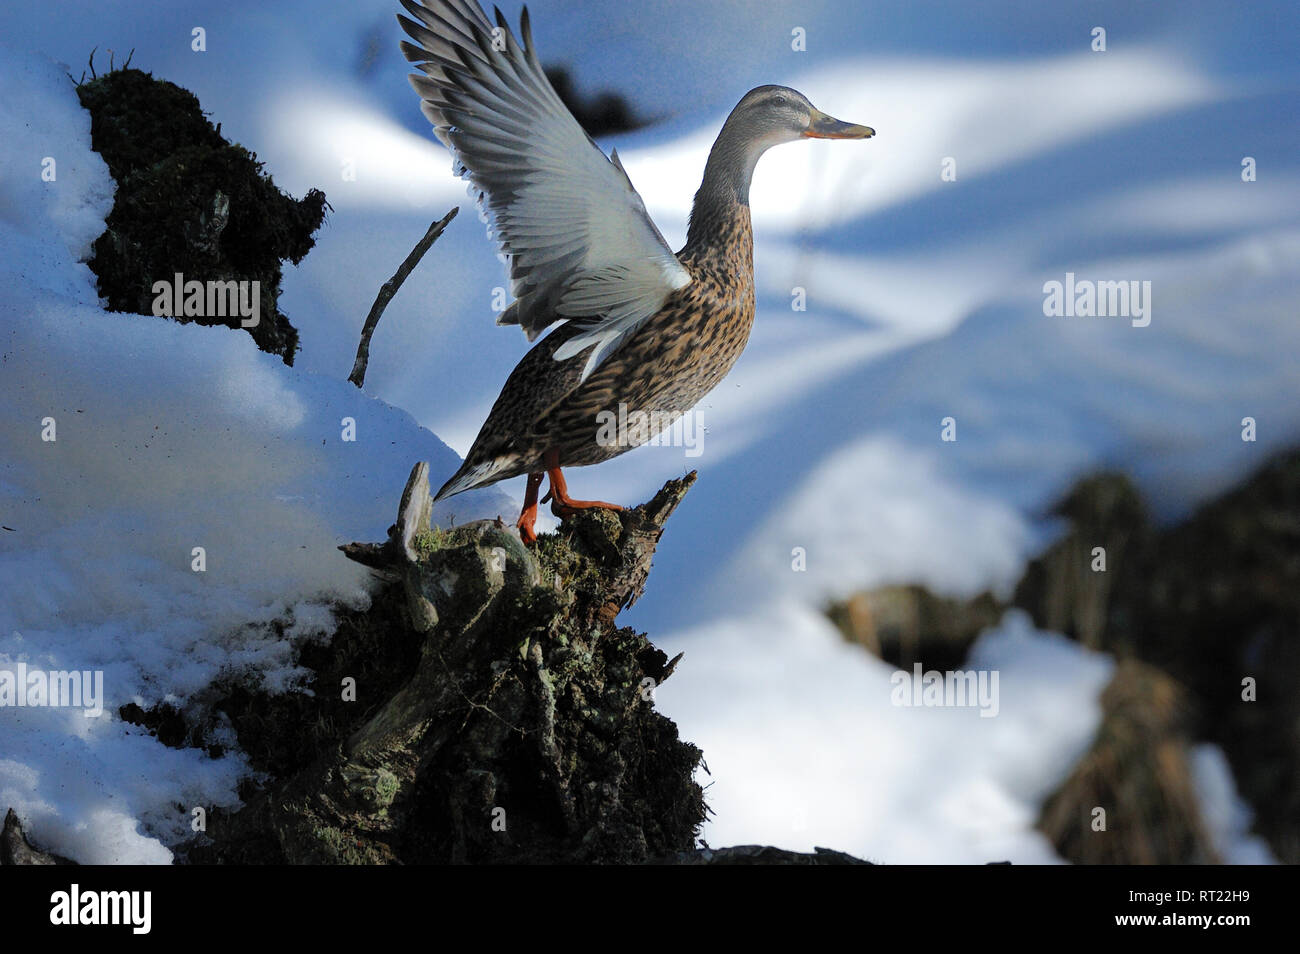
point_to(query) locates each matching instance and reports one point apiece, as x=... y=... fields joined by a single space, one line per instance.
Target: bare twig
x=388 y=290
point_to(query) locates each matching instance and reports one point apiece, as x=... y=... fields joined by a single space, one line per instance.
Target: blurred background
x=835 y=535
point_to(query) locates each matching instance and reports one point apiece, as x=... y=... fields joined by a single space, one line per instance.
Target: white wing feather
x=576 y=236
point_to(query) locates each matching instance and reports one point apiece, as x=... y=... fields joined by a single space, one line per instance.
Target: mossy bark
x=525 y=728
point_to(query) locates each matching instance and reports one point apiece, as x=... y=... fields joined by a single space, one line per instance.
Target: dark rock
x=189 y=202
x=904 y=625
x=1212 y=601
x=165 y=722
x=1138 y=772
x=1061 y=589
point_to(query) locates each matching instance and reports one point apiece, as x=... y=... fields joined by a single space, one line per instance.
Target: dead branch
x=388 y=290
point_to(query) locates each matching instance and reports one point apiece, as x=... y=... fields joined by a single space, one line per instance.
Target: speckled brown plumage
x=666 y=366
x=644 y=334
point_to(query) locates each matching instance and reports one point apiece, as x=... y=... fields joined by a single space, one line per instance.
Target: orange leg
x=528 y=516
x=562 y=505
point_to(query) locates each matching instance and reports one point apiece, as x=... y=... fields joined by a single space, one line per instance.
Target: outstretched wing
x=578 y=241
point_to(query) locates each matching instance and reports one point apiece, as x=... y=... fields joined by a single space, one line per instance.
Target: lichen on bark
x=525 y=730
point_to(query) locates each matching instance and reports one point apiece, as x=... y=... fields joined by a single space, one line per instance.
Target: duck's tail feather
x=475 y=475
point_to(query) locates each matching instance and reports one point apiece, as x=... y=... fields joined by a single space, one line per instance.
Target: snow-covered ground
x=165 y=437
x=924 y=301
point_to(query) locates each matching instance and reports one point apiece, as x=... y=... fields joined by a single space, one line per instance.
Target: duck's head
x=764 y=117
x=770 y=115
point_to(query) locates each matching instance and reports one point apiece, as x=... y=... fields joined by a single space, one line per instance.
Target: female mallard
x=643 y=328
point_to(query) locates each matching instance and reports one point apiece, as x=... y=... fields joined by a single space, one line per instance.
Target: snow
x=167 y=437
x=1225 y=815
x=924 y=301
x=845 y=765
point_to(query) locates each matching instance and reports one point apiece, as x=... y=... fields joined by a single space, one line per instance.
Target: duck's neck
x=724 y=194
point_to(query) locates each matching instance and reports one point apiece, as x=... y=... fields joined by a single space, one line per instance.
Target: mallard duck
x=642 y=328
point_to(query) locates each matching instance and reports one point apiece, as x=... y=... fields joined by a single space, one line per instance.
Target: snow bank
x=165 y=438
x=924 y=300
x=844 y=765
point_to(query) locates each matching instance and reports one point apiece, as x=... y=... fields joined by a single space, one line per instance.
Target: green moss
x=564 y=567
x=386 y=788
x=345 y=849
x=430 y=541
